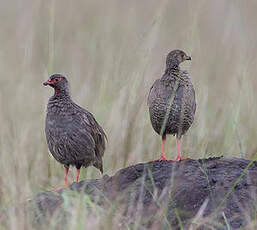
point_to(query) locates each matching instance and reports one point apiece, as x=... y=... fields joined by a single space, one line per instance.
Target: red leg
x=179 y=158
x=77 y=175
x=65 y=181
x=66 y=176
x=163 y=157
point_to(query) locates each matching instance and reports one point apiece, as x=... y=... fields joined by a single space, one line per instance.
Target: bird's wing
x=80 y=140
x=95 y=130
x=98 y=134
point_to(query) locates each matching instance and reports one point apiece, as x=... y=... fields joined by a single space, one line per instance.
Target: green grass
x=112 y=53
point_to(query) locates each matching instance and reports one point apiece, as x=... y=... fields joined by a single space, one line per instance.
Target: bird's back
x=171 y=101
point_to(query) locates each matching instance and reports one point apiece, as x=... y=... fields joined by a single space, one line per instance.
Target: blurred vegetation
x=112 y=51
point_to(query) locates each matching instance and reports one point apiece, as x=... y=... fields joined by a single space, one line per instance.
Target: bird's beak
x=188 y=58
x=48 y=82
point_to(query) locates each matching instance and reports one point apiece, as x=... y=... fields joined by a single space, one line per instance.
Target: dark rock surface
x=173 y=193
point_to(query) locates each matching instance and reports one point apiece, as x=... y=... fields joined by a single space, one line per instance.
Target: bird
x=171 y=102
x=73 y=135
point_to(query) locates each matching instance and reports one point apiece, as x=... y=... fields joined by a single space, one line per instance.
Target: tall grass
x=112 y=52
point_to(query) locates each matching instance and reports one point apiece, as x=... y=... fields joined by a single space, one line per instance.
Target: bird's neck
x=172 y=73
x=171 y=66
x=61 y=94
x=172 y=69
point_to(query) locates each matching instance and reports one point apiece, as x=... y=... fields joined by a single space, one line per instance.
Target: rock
x=183 y=193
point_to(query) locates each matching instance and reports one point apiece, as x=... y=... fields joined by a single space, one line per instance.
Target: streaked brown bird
x=73 y=135
x=171 y=101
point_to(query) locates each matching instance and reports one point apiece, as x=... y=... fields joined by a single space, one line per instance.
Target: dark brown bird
x=73 y=135
x=171 y=101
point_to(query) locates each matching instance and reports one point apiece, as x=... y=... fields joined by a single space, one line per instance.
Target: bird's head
x=175 y=57
x=58 y=82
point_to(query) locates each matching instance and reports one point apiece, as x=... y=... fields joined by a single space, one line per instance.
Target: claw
x=178 y=158
x=60 y=188
x=162 y=158
x=65 y=181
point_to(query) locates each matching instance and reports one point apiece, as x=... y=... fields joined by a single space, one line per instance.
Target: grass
x=112 y=53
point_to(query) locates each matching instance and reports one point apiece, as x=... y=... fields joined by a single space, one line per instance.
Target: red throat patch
x=57 y=90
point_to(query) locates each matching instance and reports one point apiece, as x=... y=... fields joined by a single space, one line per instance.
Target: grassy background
x=112 y=51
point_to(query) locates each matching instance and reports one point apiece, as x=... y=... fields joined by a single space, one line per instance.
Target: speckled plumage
x=172 y=96
x=184 y=100
x=73 y=135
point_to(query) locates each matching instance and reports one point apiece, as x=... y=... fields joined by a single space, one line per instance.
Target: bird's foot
x=179 y=158
x=60 y=188
x=162 y=158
